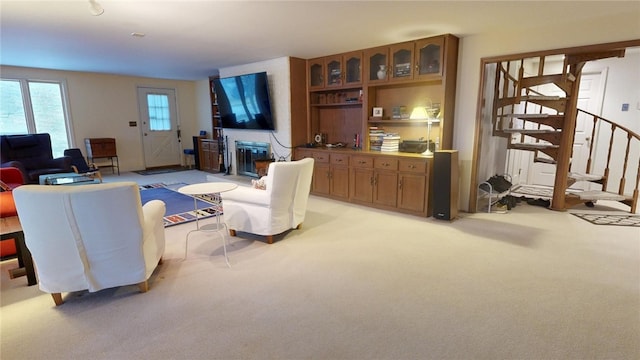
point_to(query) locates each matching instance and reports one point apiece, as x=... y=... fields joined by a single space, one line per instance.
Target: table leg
x=25 y=255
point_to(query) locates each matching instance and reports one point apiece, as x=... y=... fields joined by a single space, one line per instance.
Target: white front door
x=589 y=99
x=159 y=120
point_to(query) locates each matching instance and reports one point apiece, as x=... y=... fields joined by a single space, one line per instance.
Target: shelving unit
x=409 y=74
x=210 y=151
x=490 y=197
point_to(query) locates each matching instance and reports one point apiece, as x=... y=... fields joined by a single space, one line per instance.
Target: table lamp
x=422 y=113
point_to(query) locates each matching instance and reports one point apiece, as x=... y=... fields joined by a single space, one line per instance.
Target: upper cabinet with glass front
x=421 y=60
x=401 y=61
x=429 y=54
x=316 y=73
x=376 y=63
x=336 y=71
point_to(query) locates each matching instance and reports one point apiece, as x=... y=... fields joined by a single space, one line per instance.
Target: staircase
x=529 y=112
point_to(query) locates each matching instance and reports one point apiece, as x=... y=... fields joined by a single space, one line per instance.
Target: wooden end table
x=12 y=229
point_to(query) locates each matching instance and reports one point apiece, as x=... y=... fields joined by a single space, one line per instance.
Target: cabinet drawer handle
x=338 y=160
x=412 y=166
x=385 y=164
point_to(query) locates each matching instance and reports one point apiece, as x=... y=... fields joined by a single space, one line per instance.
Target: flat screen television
x=244 y=102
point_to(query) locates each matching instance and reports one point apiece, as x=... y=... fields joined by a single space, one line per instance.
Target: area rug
x=164 y=170
x=180 y=207
x=606 y=219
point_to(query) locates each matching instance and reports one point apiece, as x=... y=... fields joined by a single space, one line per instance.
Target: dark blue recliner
x=31 y=154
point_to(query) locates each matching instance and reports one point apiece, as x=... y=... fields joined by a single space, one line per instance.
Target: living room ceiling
x=190 y=40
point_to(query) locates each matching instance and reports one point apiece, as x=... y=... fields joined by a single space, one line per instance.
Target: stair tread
x=531 y=131
x=527 y=116
x=600 y=195
x=585 y=177
x=540 y=97
x=534 y=146
x=545 y=160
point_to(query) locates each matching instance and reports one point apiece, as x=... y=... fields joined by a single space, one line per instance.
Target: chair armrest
x=248 y=195
x=19 y=166
x=63 y=162
x=153 y=212
x=11 y=175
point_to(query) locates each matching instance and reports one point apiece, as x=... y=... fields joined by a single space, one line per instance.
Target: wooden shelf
x=400 y=121
x=338 y=104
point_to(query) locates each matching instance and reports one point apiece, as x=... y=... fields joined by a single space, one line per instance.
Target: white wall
x=102 y=105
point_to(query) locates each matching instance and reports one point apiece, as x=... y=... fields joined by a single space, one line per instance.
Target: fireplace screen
x=247 y=152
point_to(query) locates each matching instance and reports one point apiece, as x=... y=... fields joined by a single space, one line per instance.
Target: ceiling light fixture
x=95 y=8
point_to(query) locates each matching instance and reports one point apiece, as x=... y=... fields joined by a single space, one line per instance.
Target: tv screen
x=244 y=102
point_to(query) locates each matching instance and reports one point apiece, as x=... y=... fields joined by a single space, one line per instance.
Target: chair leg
x=57 y=298
x=143 y=286
x=232 y=232
x=269 y=239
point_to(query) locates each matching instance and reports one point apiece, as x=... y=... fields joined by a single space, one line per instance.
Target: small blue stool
x=188 y=155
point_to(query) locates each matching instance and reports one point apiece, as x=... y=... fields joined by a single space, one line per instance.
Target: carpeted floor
x=180 y=207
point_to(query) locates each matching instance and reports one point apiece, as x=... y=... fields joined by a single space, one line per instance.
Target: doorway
x=160 y=130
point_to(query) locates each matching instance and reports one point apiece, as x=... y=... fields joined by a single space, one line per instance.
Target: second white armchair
x=276 y=209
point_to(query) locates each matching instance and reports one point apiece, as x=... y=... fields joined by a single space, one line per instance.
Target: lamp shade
x=419 y=113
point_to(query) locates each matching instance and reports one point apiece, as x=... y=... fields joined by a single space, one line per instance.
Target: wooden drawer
x=100 y=147
x=362 y=162
x=321 y=157
x=385 y=163
x=340 y=159
x=413 y=166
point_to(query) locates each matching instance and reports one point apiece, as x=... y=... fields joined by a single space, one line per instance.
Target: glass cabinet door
x=376 y=65
x=402 y=61
x=429 y=58
x=316 y=71
x=334 y=71
x=353 y=68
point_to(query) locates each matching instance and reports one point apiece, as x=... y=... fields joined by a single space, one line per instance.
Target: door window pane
x=159 y=118
x=13 y=119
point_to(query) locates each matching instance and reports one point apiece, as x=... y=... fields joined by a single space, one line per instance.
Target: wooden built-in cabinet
x=331 y=174
x=209 y=155
x=344 y=89
x=389 y=182
x=336 y=71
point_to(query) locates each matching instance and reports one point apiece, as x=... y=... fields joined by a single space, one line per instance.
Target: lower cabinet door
x=340 y=181
x=411 y=192
x=362 y=185
x=385 y=189
x=321 y=179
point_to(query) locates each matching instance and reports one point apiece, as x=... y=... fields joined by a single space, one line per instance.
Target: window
x=159 y=118
x=29 y=107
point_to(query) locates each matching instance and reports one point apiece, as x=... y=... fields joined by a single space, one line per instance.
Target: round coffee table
x=203 y=189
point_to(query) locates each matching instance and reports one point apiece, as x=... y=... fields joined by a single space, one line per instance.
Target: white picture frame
x=377 y=112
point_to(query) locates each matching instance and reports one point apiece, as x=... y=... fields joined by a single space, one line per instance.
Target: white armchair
x=90 y=237
x=278 y=208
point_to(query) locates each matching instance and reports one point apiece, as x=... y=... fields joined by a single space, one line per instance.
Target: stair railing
x=630 y=136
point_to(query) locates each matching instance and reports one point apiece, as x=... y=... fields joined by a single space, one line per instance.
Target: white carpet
x=357 y=283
